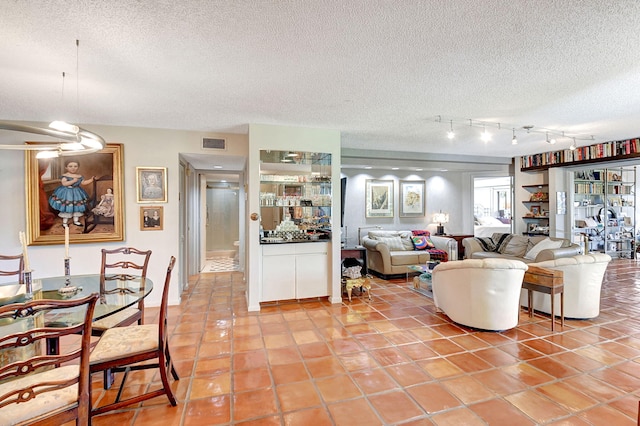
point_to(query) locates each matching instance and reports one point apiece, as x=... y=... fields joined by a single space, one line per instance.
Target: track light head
x=451 y=134
x=485 y=136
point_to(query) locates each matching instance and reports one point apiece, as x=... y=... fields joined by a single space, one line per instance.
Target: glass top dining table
x=116 y=294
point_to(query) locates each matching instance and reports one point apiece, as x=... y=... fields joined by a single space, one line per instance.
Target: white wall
x=444 y=191
x=142 y=147
x=285 y=138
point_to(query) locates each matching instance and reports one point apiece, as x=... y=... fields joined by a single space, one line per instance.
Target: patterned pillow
x=419 y=242
x=486 y=243
x=501 y=241
x=424 y=233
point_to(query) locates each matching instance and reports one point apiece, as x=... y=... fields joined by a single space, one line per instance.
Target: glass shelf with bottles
x=295 y=196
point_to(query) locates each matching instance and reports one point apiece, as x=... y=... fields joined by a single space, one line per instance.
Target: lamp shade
x=441 y=217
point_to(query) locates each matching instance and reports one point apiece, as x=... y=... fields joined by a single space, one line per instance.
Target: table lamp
x=440 y=218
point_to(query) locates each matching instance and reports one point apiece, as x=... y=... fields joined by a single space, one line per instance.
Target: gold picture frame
x=151 y=218
x=97 y=217
x=151 y=184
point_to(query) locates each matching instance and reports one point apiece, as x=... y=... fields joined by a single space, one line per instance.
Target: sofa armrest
x=551 y=254
x=378 y=255
x=447 y=244
x=471 y=245
x=374 y=245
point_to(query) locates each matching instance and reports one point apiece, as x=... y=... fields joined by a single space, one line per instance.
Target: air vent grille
x=209 y=143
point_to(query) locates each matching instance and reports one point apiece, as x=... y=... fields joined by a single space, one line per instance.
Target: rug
x=220 y=264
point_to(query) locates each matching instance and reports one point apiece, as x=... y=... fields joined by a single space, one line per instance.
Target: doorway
x=222 y=227
x=492 y=205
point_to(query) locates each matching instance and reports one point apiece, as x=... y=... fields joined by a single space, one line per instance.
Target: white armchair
x=583 y=275
x=480 y=293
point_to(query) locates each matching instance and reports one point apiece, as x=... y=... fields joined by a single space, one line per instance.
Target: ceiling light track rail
x=451 y=121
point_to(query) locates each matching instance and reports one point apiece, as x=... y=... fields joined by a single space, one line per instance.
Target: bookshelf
x=537 y=216
x=604 y=210
x=605 y=151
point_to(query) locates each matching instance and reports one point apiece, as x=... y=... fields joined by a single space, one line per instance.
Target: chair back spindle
x=12 y=266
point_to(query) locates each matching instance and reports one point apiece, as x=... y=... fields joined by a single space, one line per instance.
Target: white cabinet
x=295 y=271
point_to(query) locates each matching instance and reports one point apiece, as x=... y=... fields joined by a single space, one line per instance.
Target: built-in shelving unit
x=295 y=196
x=604 y=210
x=597 y=153
x=537 y=218
x=295 y=223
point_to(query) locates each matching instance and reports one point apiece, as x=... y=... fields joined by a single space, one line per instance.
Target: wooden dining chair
x=38 y=389
x=120 y=348
x=124 y=263
x=12 y=266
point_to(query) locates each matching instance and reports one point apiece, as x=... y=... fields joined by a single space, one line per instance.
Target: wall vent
x=209 y=143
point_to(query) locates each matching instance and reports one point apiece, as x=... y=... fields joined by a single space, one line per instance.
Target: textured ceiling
x=379 y=71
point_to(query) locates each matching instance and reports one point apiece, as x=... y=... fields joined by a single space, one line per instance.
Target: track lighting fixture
x=551 y=135
x=573 y=145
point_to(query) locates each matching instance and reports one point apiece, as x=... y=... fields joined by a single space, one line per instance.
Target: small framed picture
x=151 y=218
x=535 y=210
x=151 y=184
x=532 y=227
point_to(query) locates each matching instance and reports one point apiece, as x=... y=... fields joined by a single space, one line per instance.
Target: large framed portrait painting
x=79 y=192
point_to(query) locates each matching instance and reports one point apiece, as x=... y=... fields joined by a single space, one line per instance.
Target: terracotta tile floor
x=393 y=360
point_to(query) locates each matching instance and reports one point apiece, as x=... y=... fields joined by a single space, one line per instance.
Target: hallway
x=392 y=361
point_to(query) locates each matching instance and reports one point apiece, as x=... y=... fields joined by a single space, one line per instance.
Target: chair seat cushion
x=48 y=402
x=117 y=318
x=124 y=341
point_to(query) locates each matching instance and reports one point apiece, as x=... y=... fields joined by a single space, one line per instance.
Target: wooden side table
x=459 y=238
x=547 y=281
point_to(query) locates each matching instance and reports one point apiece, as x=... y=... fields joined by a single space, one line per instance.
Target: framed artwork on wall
x=151 y=184
x=81 y=192
x=412 y=198
x=379 y=198
x=151 y=218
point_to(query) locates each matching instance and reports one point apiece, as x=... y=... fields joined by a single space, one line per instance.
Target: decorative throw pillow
x=547 y=243
x=501 y=241
x=394 y=243
x=517 y=246
x=419 y=242
x=486 y=243
x=424 y=233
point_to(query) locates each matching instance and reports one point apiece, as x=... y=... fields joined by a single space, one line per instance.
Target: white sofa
x=480 y=293
x=583 y=275
x=519 y=247
x=387 y=262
